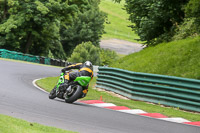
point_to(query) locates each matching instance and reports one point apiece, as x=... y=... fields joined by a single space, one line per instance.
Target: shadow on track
x=75 y=103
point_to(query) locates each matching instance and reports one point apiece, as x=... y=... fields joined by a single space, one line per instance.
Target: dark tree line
x=156 y=21
x=53 y=27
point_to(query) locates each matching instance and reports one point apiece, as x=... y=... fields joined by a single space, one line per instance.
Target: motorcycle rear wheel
x=75 y=95
x=52 y=94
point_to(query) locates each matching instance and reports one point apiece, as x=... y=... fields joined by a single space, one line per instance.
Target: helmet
x=89 y=64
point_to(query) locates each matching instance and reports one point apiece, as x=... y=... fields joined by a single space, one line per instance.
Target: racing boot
x=84 y=93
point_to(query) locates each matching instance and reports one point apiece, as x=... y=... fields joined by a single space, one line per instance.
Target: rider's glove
x=63 y=70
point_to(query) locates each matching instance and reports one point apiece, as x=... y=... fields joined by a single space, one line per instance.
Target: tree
x=87 y=26
x=33 y=26
x=192 y=10
x=3 y=9
x=191 y=24
x=85 y=51
x=155 y=21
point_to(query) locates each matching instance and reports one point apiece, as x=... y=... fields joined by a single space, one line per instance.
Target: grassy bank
x=178 y=58
x=117 y=23
x=94 y=94
x=13 y=125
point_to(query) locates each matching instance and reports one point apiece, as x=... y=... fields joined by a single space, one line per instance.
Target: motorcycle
x=72 y=91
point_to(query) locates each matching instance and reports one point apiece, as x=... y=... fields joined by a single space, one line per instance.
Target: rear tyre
x=74 y=94
x=52 y=94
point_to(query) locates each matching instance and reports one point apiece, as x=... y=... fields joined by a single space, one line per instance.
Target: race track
x=19 y=98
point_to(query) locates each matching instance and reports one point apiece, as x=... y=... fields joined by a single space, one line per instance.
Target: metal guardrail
x=172 y=91
x=31 y=58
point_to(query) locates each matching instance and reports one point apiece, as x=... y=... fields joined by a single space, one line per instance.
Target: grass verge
x=94 y=94
x=177 y=58
x=117 y=22
x=13 y=125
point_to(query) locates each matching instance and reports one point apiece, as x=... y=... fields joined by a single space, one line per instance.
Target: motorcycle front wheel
x=52 y=94
x=75 y=94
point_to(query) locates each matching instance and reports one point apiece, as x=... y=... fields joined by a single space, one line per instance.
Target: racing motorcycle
x=71 y=91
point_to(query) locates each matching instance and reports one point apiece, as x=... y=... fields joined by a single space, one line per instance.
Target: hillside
x=116 y=25
x=178 y=58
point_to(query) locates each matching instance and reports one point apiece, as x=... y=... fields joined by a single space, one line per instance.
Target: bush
x=108 y=56
x=187 y=29
x=192 y=9
x=85 y=51
x=190 y=26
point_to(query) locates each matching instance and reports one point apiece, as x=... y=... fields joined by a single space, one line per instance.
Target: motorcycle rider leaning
x=85 y=69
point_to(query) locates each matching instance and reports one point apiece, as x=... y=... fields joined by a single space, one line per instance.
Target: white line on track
x=178 y=120
x=103 y=104
x=133 y=111
x=34 y=83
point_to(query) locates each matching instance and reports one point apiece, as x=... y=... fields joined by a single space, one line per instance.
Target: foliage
x=177 y=58
x=33 y=26
x=3 y=10
x=187 y=29
x=191 y=25
x=87 y=26
x=108 y=56
x=85 y=51
x=155 y=21
x=192 y=10
x=41 y=27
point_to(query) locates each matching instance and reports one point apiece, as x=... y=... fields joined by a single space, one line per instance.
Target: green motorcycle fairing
x=83 y=80
x=60 y=81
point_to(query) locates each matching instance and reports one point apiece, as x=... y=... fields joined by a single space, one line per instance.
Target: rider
x=85 y=69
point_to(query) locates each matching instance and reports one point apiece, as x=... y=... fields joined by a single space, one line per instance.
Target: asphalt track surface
x=20 y=99
x=121 y=46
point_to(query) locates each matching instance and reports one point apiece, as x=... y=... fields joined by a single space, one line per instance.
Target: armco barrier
x=167 y=90
x=31 y=58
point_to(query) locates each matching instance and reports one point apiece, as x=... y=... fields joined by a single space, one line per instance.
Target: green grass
x=47 y=83
x=13 y=125
x=118 y=19
x=178 y=58
x=94 y=94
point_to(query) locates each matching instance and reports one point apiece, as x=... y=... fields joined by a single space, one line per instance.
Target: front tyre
x=74 y=95
x=52 y=94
